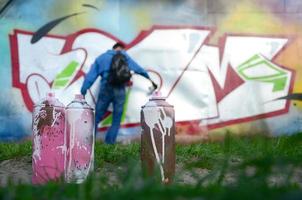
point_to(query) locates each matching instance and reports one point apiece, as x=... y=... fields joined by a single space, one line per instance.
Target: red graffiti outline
x=16 y=68
x=221 y=46
x=69 y=39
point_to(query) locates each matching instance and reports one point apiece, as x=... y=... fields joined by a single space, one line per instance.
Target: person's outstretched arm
x=90 y=77
x=139 y=70
x=136 y=68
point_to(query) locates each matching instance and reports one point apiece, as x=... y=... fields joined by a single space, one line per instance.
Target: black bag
x=119 y=70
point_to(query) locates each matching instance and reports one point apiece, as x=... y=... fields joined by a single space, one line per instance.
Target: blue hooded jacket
x=101 y=67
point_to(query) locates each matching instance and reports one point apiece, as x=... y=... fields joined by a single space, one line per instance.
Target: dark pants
x=109 y=94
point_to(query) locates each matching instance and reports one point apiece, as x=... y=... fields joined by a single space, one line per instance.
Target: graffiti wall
x=224 y=65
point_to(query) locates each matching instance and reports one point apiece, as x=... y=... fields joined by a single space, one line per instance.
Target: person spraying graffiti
x=115 y=67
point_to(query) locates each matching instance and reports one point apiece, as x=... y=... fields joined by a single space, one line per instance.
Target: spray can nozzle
x=79 y=97
x=50 y=94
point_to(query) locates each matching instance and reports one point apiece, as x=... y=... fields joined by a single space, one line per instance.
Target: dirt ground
x=19 y=171
x=15 y=170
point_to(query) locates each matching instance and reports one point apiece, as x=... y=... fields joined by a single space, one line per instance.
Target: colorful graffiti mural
x=220 y=76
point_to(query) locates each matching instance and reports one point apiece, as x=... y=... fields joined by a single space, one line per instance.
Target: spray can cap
x=79 y=97
x=50 y=94
x=157 y=96
x=157 y=99
x=79 y=102
x=49 y=100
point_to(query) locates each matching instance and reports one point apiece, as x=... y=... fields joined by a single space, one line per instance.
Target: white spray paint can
x=158 y=138
x=79 y=140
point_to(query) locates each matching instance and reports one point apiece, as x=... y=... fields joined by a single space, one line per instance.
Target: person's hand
x=152 y=88
x=83 y=92
x=154 y=85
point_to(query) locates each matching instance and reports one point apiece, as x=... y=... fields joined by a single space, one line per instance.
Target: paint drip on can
x=158 y=138
x=79 y=140
x=48 y=125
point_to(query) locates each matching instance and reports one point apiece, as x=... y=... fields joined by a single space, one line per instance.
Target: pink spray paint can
x=48 y=127
x=79 y=140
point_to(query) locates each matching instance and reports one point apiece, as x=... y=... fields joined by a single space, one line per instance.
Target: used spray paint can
x=48 y=126
x=79 y=140
x=158 y=138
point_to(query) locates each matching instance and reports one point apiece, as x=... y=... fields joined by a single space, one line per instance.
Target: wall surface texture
x=225 y=65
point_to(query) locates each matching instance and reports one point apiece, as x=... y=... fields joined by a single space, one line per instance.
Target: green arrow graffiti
x=278 y=78
x=65 y=76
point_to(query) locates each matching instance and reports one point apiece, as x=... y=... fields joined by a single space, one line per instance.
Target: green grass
x=254 y=163
x=14 y=150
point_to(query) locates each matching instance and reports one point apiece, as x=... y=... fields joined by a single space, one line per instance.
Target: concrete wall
x=222 y=64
